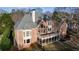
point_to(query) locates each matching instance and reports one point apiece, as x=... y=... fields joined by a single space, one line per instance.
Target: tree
x=6 y=43
x=57 y=16
x=7 y=20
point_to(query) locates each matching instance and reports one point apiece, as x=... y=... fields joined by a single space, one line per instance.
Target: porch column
x=52 y=38
x=56 y=38
x=42 y=41
x=48 y=40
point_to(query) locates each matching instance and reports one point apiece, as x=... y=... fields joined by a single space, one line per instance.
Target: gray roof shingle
x=26 y=22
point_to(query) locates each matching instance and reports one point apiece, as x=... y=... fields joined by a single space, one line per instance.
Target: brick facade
x=20 y=41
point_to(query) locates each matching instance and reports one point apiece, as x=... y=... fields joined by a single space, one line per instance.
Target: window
x=40 y=41
x=43 y=41
x=27 y=33
x=49 y=23
x=49 y=29
x=28 y=40
x=42 y=26
x=49 y=39
x=55 y=38
x=46 y=40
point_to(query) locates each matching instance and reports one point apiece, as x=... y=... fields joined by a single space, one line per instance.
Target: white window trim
x=49 y=27
x=27 y=37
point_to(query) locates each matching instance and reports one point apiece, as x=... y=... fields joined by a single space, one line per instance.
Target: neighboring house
x=63 y=27
x=47 y=31
x=74 y=26
x=34 y=28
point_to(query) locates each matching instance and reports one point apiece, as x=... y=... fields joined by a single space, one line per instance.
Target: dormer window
x=41 y=25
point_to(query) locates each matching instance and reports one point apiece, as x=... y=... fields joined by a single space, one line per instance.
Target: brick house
x=74 y=26
x=31 y=30
x=47 y=31
x=26 y=30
